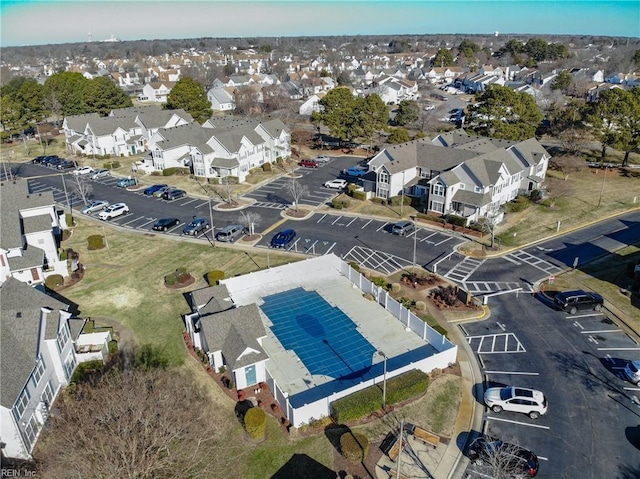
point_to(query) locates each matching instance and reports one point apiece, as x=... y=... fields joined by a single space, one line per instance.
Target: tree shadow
x=629 y=472
x=632 y=433
x=301 y=465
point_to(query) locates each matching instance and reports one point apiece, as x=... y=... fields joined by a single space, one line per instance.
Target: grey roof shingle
x=32 y=257
x=35 y=224
x=233 y=331
x=209 y=300
x=20 y=330
x=14 y=197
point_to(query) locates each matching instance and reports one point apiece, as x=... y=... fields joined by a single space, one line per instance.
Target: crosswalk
x=522 y=256
x=376 y=260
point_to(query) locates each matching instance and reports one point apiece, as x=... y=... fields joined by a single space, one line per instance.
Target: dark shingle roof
x=233 y=331
x=20 y=330
x=209 y=300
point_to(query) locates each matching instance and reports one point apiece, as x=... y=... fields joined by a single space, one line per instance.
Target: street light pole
x=384 y=380
x=415 y=236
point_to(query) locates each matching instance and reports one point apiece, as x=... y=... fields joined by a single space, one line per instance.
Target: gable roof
x=22 y=327
x=233 y=331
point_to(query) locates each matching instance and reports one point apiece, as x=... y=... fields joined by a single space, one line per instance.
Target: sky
x=37 y=22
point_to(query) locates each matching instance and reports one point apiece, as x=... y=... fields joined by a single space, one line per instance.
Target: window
x=437 y=189
x=437 y=206
x=32 y=429
x=21 y=403
x=69 y=365
x=478 y=189
x=384 y=177
x=47 y=395
x=63 y=337
x=38 y=371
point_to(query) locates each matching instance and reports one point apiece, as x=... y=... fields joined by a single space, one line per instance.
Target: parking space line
x=578 y=325
x=188 y=202
x=631 y=389
x=312 y=247
x=427 y=237
x=294 y=245
x=518 y=422
x=330 y=248
x=133 y=220
x=444 y=240
x=385 y=224
x=321 y=218
x=542 y=458
x=590 y=315
x=151 y=220
x=366 y=224
x=349 y=223
x=603 y=331
x=618 y=349
x=520 y=373
x=334 y=221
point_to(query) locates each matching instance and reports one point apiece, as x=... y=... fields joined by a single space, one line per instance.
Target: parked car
x=125 y=182
x=510 y=456
x=632 y=371
x=112 y=211
x=574 y=301
x=196 y=226
x=160 y=192
x=93 y=206
x=309 y=163
x=283 y=238
x=83 y=170
x=322 y=159
x=429 y=107
x=173 y=194
x=163 y=224
x=523 y=400
x=66 y=165
x=355 y=172
x=150 y=190
x=403 y=228
x=230 y=233
x=38 y=160
x=100 y=173
x=51 y=160
x=336 y=184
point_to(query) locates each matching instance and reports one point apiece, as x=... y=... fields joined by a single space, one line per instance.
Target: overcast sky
x=34 y=22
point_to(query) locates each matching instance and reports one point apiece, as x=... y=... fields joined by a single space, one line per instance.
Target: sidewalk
x=447 y=459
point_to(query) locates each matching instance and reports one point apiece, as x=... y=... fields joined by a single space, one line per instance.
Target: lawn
x=124 y=282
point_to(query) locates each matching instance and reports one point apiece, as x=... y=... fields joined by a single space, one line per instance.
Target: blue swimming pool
x=322 y=336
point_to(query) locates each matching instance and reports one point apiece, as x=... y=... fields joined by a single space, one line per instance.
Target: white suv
x=112 y=211
x=632 y=371
x=526 y=401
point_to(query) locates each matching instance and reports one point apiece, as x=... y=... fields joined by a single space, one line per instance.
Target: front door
x=250 y=374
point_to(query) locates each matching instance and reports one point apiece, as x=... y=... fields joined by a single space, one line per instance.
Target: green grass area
x=125 y=281
x=267 y=458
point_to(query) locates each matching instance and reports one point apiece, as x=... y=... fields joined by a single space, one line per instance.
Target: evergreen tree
x=190 y=95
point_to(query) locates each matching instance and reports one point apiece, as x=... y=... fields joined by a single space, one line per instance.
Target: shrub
x=255 y=422
x=54 y=281
x=380 y=201
x=421 y=305
x=65 y=235
x=151 y=357
x=397 y=200
x=407 y=302
x=354 y=446
x=68 y=219
x=435 y=219
x=214 y=277
x=380 y=282
x=87 y=370
x=180 y=275
x=369 y=400
x=358 y=195
x=279 y=160
x=175 y=171
x=355 y=266
x=63 y=254
x=95 y=242
x=535 y=195
x=170 y=279
x=457 y=220
x=339 y=204
x=395 y=288
x=113 y=346
x=266 y=167
x=368 y=296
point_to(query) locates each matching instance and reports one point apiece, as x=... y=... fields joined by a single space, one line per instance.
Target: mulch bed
x=297 y=214
x=182 y=284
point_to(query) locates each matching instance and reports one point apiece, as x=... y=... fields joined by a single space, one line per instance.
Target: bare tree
x=501 y=460
x=568 y=164
x=132 y=422
x=490 y=221
x=81 y=187
x=557 y=189
x=250 y=219
x=297 y=191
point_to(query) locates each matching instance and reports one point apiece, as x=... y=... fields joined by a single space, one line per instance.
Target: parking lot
x=275 y=195
x=576 y=361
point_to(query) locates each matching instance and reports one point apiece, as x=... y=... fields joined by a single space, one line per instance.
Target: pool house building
x=307 y=330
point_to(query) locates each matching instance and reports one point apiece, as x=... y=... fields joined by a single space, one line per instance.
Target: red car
x=310 y=163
